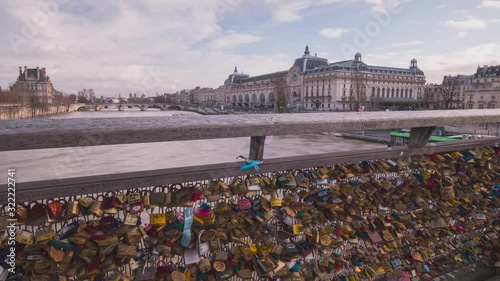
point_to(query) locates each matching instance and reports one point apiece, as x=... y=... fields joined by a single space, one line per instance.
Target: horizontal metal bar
x=103 y=183
x=54 y=133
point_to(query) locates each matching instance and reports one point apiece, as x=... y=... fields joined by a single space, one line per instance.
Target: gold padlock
x=44 y=234
x=146 y=199
x=157 y=218
x=131 y=219
x=96 y=207
x=85 y=201
x=134 y=198
x=72 y=209
x=25 y=237
x=57 y=255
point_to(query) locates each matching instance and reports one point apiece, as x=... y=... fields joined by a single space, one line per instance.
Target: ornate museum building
x=314 y=83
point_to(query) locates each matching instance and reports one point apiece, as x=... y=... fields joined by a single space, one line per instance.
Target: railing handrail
x=48 y=189
x=55 y=133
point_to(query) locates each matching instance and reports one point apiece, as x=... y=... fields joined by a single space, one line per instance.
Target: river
x=45 y=164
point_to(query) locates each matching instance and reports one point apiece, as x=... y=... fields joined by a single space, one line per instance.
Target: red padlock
x=36 y=211
x=162 y=270
x=54 y=209
x=109 y=201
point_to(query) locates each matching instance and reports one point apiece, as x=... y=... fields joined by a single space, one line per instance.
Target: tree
x=280 y=89
x=86 y=95
x=449 y=90
x=58 y=100
x=72 y=98
x=357 y=97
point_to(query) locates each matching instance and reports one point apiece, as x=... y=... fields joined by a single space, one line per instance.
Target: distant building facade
x=461 y=84
x=34 y=84
x=312 y=83
x=485 y=88
x=478 y=91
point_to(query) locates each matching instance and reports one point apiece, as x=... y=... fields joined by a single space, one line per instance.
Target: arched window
x=262 y=98
x=254 y=98
x=397 y=93
x=411 y=93
x=271 y=98
x=373 y=91
x=392 y=94
x=240 y=100
x=406 y=93
x=383 y=92
x=378 y=92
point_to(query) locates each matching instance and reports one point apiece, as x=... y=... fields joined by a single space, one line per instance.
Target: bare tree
x=86 y=95
x=449 y=89
x=357 y=96
x=69 y=100
x=280 y=89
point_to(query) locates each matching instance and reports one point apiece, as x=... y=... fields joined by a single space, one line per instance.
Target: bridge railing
x=41 y=134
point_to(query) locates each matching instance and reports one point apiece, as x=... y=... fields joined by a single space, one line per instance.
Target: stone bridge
x=122 y=107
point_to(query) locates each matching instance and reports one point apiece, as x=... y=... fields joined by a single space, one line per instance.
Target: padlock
x=55 y=210
x=44 y=234
x=157 y=218
x=244 y=203
x=21 y=213
x=96 y=207
x=131 y=219
x=107 y=225
x=72 y=208
x=36 y=214
x=25 y=237
x=146 y=199
x=57 y=255
x=134 y=198
x=203 y=247
x=126 y=251
x=146 y=273
x=158 y=196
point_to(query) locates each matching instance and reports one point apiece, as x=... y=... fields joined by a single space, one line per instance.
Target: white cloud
x=294 y=10
x=462 y=34
x=490 y=4
x=470 y=23
x=143 y=46
x=333 y=33
x=407 y=43
x=461 y=61
x=234 y=39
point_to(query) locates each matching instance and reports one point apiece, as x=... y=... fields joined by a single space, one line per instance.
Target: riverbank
x=8 y=112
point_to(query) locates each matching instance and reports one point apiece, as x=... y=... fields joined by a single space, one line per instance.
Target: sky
x=152 y=46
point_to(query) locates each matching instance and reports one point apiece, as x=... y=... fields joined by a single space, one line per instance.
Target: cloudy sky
x=125 y=46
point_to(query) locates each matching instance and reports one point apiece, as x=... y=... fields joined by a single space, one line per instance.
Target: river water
x=45 y=164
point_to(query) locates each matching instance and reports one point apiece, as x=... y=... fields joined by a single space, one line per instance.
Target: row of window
x=392 y=93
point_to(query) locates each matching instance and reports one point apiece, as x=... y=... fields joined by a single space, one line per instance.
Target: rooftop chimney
x=25 y=72
x=20 y=71
x=37 y=73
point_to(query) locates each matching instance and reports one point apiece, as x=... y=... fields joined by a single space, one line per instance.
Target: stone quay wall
x=21 y=112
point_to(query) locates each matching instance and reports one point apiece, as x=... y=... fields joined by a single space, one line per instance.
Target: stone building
x=312 y=83
x=203 y=96
x=485 y=88
x=34 y=84
x=454 y=89
x=478 y=91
